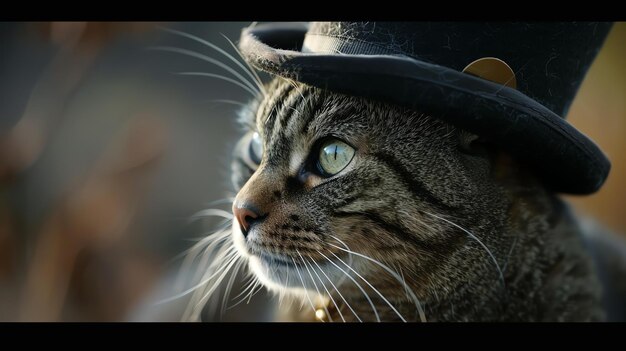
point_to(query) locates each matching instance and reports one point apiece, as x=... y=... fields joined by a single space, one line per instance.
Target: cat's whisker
x=245 y=293
x=220 y=77
x=337 y=290
x=202 y=272
x=198 y=242
x=232 y=257
x=306 y=291
x=225 y=200
x=249 y=71
x=394 y=274
x=356 y=283
x=257 y=287
x=296 y=88
x=209 y=250
x=252 y=70
x=247 y=284
x=206 y=245
x=314 y=284
x=472 y=236
x=330 y=296
x=284 y=289
x=208 y=59
x=406 y=291
x=371 y=286
x=211 y=212
x=229 y=286
x=222 y=227
x=216 y=284
x=293 y=109
x=232 y=102
x=281 y=286
x=224 y=255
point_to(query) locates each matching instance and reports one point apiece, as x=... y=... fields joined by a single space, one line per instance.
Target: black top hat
x=509 y=82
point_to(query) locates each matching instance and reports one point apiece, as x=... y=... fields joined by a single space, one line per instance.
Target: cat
x=359 y=210
x=371 y=212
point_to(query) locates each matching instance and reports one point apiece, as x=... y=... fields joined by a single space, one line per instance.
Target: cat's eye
x=256 y=148
x=334 y=156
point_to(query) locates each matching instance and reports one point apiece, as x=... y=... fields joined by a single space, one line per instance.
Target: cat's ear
x=472 y=144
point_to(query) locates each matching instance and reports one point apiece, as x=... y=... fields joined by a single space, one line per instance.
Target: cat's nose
x=247 y=216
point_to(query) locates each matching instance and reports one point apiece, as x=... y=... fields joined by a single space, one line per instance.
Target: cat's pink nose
x=246 y=216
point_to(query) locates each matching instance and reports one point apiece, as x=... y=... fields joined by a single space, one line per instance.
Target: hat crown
x=508 y=82
x=550 y=59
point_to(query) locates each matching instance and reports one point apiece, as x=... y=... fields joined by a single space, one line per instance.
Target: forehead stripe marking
x=276 y=100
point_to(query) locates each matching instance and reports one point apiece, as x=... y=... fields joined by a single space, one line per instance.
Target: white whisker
x=295 y=87
x=393 y=274
x=337 y=290
x=221 y=51
x=247 y=286
x=306 y=291
x=328 y=292
x=314 y=284
x=221 y=77
x=244 y=293
x=493 y=258
x=371 y=286
x=198 y=241
x=217 y=265
x=206 y=295
x=257 y=78
x=203 y=282
x=229 y=286
x=212 y=212
x=356 y=283
x=218 y=257
x=227 y=200
x=206 y=245
x=257 y=287
x=206 y=59
x=406 y=291
x=389 y=270
x=232 y=102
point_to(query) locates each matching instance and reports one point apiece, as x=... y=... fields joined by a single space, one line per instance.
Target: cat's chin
x=282 y=272
x=274 y=275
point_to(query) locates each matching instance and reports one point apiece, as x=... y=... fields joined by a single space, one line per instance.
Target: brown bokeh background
x=599 y=111
x=105 y=154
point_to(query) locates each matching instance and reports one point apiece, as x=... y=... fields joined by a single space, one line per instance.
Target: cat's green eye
x=334 y=156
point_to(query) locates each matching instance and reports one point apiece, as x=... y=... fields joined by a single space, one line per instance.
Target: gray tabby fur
x=410 y=171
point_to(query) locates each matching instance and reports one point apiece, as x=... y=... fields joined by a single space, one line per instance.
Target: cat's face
x=326 y=180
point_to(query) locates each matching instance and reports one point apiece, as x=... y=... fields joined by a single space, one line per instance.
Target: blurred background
x=105 y=154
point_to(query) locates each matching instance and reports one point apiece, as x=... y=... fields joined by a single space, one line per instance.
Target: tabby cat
x=364 y=211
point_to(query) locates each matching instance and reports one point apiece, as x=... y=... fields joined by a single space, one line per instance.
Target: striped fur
x=415 y=200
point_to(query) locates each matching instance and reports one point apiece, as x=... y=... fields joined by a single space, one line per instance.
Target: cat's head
x=338 y=193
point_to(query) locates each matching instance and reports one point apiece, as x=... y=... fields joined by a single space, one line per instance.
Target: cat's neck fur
x=548 y=276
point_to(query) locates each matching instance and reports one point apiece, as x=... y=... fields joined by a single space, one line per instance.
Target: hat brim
x=565 y=159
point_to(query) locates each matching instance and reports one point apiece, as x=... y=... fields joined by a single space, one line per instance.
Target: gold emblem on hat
x=492 y=69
